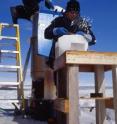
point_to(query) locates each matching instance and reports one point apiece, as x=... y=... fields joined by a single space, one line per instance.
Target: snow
x=87 y=113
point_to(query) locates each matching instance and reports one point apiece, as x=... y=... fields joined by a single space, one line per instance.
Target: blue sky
x=103 y=13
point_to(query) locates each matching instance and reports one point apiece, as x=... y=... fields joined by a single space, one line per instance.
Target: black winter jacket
x=58 y=22
x=63 y=21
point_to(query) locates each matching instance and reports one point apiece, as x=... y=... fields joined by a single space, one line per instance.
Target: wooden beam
x=87 y=58
x=109 y=103
x=84 y=57
x=100 y=88
x=85 y=61
x=108 y=100
x=114 y=77
x=73 y=94
x=96 y=98
x=49 y=85
x=61 y=105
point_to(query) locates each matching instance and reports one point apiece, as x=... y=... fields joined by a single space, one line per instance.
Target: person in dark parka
x=29 y=8
x=70 y=23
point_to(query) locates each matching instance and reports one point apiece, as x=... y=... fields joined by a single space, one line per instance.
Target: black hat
x=73 y=5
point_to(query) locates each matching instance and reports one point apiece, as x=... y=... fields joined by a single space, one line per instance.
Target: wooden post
x=49 y=85
x=73 y=94
x=114 y=77
x=81 y=61
x=100 y=88
x=62 y=86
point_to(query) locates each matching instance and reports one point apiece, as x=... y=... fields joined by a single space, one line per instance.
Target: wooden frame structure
x=67 y=69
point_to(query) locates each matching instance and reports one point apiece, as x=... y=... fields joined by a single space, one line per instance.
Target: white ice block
x=70 y=42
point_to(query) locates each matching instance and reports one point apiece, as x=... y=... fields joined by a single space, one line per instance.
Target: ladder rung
x=8 y=51
x=8 y=25
x=9 y=66
x=11 y=88
x=8 y=37
x=10 y=84
x=13 y=40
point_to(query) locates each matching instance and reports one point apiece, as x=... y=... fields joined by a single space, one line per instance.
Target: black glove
x=93 y=38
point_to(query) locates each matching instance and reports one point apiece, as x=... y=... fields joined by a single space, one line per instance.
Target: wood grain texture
x=100 y=88
x=114 y=75
x=73 y=94
x=88 y=59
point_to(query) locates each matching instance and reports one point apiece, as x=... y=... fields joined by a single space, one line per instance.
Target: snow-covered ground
x=6 y=108
x=87 y=114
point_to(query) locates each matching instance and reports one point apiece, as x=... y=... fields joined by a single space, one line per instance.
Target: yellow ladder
x=10 y=48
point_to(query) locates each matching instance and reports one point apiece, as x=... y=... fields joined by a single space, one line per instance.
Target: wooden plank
x=114 y=78
x=73 y=94
x=109 y=103
x=61 y=105
x=96 y=98
x=62 y=83
x=91 y=68
x=60 y=62
x=86 y=58
x=61 y=118
x=49 y=85
x=100 y=88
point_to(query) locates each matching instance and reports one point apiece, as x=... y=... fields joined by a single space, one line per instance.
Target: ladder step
x=7 y=88
x=13 y=42
x=9 y=66
x=8 y=51
x=10 y=84
x=8 y=37
x=8 y=25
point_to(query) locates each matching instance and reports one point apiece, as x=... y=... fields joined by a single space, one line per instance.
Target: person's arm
x=55 y=29
x=55 y=33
